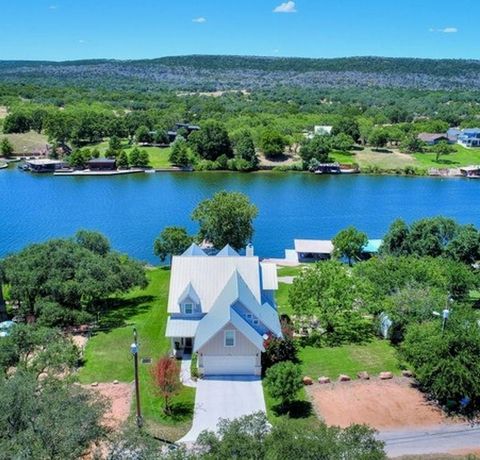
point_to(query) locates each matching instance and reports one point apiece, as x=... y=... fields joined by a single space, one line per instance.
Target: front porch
x=181 y=346
x=181 y=332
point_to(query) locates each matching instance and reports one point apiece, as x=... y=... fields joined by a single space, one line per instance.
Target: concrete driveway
x=224 y=397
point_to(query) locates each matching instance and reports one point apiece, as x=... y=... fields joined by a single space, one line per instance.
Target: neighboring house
x=469 y=137
x=314 y=250
x=452 y=134
x=432 y=138
x=311 y=250
x=222 y=307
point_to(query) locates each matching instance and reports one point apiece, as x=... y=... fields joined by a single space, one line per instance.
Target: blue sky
x=131 y=29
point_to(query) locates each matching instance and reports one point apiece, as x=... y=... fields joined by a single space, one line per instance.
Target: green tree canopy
x=350 y=243
x=245 y=148
x=226 y=218
x=172 y=241
x=328 y=293
x=272 y=143
x=318 y=148
x=252 y=438
x=180 y=153
x=211 y=141
x=442 y=148
x=47 y=418
x=284 y=381
x=63 y=282
x=6 y=147
x=348 y=126
x=446 y=363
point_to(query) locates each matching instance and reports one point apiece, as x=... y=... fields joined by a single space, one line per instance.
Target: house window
x=229 y=338
x=249 y=316
x=255 y=321
x=188 y=308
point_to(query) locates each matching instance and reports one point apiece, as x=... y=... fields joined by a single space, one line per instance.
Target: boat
x=3 y=165
x=150 y=171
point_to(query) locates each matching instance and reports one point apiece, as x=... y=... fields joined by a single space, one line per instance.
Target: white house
x=222 y=307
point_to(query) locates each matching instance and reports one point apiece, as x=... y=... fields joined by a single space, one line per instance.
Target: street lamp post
x=445 y=313
x=134 y=350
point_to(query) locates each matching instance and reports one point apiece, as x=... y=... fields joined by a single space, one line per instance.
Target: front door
x=188 y=342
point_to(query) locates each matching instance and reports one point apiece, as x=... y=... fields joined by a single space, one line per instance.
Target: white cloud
x=286 y=7
x=199 y=20
x=445 y=30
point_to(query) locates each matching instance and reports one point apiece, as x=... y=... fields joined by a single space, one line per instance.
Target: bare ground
x=120 y=396
x=380 y=404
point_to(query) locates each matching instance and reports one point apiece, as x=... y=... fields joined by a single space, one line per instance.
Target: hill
x=212 y=73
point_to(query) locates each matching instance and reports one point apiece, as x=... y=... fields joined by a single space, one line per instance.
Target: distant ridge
x=233 y=72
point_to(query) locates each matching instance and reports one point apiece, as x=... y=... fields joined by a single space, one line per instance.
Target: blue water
x=132 y=210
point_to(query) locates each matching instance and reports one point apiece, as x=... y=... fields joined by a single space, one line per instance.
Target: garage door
x=229 y=365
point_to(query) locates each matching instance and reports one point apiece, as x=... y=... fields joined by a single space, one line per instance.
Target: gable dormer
x=189 y=302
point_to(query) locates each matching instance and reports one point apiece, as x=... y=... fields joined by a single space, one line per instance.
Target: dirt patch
x=120 y=397
x=3 y=111
x=380 y=404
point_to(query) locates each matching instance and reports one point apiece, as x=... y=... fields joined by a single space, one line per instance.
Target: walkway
x=227 y=397
x=439 y=439
x=185 y=372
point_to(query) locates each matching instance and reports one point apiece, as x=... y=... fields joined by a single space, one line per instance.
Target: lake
x=132 y=210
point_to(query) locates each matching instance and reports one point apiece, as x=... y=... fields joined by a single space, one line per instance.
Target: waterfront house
x=469 y=137
x=432 y=138
x=102 y=164
x=222 y=307
x=452 y=134
x=313 y=250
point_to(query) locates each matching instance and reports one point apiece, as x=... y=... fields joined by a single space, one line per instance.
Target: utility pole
x=134 y=350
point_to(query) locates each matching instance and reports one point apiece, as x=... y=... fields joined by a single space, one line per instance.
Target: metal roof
x=431 y=137
x=373 y=246
x=314 y=246
x=194 y=250
x=181 y=327
x=222 y=312
x=208 y=276
x=44 y=162
x=269 y=276
x=228 y=251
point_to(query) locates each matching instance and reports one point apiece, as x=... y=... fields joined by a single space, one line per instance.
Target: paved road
x=224 y=397
x=433 y=440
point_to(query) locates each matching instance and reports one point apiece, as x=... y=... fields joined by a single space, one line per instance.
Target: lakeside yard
x=108 y=357
x=392 y=159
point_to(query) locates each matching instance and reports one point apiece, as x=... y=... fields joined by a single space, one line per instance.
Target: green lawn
x=281 y=298
x=291 y=271
x=158 y=156
x=108 y=358
x=27 y=143
x=462 y=157
x=373 y=357
x=301 y=411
